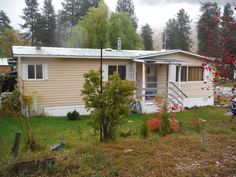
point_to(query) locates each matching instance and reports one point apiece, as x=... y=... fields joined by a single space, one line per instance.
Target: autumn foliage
x=164 y=122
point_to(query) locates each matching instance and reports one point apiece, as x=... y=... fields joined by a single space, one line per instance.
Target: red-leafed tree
x=217 y=39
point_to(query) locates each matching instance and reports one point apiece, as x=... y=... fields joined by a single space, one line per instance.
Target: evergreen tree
x=177 y=32
x=128 y=6
x=4 y=22
x=171 y=34
x=208 y=30
x=31 y=16
x=228 y=34
x=48 y=24
x=72 y=11
x=147 y=37
x=184 y=30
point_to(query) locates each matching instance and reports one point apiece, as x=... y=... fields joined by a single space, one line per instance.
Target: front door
x=151 y=80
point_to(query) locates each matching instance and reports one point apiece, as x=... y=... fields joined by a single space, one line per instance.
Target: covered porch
x=156 y=79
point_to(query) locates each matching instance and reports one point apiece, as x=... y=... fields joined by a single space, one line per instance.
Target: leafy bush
x=73 y=115
x=164 y=122
x=154 y=124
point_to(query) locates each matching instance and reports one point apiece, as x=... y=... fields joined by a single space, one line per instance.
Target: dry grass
x=196 y=155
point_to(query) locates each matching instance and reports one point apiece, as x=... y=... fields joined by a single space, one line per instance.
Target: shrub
x=144 y=131
x=154 y=124
x=73 y=115
x=164 y=122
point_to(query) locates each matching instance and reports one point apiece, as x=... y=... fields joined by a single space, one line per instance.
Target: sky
x=154 y=12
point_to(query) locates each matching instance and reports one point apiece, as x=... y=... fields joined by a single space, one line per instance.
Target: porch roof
x=163 y=61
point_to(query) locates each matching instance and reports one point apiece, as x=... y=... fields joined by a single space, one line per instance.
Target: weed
x=144 y=130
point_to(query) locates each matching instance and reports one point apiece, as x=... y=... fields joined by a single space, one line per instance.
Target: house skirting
x=63 y=110
x=191 y=102
x=146 y=107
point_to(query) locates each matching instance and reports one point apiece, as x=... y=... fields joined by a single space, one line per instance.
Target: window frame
x=187 y=74
x=35 y=72
x=117 y=70
x=177 y=73
x=202 y=74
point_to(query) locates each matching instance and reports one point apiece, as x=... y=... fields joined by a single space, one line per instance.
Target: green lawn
x=50 y=130
x=79 y=135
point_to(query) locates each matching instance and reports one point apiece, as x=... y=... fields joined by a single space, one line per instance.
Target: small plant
x=154 y=124
x=164 y=122
x=73 y=115
x=198 y=124
x=125 y=133
x=144 y=131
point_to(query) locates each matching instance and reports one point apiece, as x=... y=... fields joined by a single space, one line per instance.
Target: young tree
x=120 y=25
x=4 y=22
x=109 y=106
x=128 y=7
x=208 y=29
x=31 y=17
x=147 y=37
x=9 y=38
x=48 y=24
x=177 y=32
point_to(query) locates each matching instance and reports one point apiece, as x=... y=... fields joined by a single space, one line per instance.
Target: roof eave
x=66 y=56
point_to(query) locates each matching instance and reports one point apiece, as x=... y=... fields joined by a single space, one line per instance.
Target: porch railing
x=167 y=90
x=175 y=94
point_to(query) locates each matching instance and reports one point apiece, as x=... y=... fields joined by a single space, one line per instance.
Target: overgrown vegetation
x=15 y=104
x=7 y=82
x=183 y=153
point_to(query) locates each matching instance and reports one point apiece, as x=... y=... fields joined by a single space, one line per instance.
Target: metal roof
x=56 y=52
x=26 y=51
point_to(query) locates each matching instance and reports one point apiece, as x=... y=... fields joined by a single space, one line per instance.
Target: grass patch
x=85 y=156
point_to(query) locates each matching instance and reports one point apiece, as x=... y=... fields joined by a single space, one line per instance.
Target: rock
x=126 y=151
x=56 y=147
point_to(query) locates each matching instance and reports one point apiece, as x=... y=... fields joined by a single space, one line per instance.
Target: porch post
x=143 y=81
x=179 y=76
x=134 y=78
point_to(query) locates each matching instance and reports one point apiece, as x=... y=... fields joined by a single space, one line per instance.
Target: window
x=35 y=71
x=121 y=69
x=183 y=73
x=195 y=73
